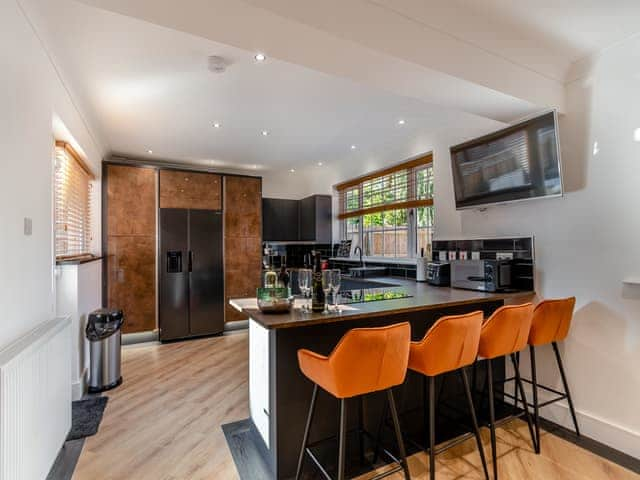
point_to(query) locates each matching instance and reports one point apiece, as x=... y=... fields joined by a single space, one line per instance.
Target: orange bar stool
x=505 y=333
x=550 y=325
x=366 y=360
x=450 y=344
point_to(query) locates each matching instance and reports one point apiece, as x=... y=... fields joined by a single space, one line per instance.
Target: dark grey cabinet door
x=279 y=220
x=174 y=273
x=315 y=219
x=308 y=219
x=206 y=277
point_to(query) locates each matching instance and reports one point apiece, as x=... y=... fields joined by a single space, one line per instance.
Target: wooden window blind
x=397 y=187
x=72 y=190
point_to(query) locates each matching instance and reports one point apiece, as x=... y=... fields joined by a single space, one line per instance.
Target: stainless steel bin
x=104 y=334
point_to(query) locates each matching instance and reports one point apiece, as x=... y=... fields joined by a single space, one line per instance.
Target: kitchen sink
x=348 y=283
x=367 y=272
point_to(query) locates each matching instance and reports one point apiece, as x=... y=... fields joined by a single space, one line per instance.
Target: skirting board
x=79 y=388
x=615 y=436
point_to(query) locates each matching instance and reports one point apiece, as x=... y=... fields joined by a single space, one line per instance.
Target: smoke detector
x=218 y=64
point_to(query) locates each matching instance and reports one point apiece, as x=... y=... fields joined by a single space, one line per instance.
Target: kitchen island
x=279 y=394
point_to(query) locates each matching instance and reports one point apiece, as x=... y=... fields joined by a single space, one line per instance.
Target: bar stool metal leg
x=307 y=428
x=474 y=420
x=342 y=438
x=515 y=393
x=396 y=426
x=361 y=429
x=492 y=419
x=534 y=384
x=432 y=428
x=519 y=386
x=566 y=387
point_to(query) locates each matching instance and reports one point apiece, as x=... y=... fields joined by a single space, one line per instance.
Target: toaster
x=439 y=274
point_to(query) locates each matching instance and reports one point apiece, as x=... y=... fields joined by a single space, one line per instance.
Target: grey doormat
x=248 y=452
x=86 y=416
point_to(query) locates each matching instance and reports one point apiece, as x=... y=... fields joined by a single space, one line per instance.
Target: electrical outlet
x=28 y=226
x=504 y=256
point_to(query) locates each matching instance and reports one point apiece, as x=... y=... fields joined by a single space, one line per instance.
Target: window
x=390 y=213
x=72 y=190
x=424 y=215
x=385 y=234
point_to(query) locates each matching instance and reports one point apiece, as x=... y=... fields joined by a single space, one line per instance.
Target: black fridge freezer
x=191 y=280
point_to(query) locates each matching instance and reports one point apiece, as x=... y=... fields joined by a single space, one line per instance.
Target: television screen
x=516 y=163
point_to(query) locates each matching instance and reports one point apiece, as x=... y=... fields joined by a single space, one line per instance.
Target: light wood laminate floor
x=164 y=422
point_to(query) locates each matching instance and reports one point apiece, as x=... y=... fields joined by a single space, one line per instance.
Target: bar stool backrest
x=551 y=321
x=451 y=343
x=506 y=331
x=365 y=360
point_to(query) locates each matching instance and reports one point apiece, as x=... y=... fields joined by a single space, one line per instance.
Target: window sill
x=79 y=260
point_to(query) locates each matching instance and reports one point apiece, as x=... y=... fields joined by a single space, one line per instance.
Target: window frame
x=410 y=204
x=86 y=177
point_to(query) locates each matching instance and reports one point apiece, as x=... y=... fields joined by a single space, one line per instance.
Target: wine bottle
x=317 y=294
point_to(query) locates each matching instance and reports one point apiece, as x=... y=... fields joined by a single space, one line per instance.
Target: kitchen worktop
x=423 y=297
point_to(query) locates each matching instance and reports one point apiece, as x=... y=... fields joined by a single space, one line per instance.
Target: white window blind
x=72 y=188
x=399 y=187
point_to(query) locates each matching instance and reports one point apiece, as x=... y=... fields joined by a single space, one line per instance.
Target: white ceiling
x=146 y=86
x=544 y=35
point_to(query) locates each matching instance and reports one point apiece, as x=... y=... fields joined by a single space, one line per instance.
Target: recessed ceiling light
x=216 y=125
x=636 y=135
x=150 y=152
x=293 y=170
x=265 y=133
x=319 y=164
x=260 y=57
x=353 y=147
x=255 y=167
x=401 y=122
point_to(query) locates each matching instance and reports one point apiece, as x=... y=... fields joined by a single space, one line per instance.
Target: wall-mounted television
x=517 y=163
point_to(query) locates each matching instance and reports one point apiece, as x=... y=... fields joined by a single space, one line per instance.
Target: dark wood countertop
x=425 y=297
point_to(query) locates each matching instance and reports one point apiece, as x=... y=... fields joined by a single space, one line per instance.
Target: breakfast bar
x=279 y=392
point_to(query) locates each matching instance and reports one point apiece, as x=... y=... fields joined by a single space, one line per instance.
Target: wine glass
x=326 y=287
x=336 y=277
x=304 y=282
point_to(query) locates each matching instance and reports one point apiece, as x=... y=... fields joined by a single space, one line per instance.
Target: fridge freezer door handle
x=190 y=261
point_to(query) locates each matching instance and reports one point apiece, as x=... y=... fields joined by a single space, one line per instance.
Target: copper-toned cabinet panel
x=131 y=244
x=242 y=239
x=196 y=190
x=131 y=200
x=131 y=280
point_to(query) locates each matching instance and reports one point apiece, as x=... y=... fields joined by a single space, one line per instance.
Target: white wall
x=30 y=94
x=586 y=244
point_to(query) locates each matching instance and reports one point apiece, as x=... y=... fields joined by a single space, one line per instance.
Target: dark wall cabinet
x=315 y=219
x=307 y=220
x=280 y=219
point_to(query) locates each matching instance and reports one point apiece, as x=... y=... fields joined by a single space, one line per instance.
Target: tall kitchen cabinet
x=190 y=280
x=217 y=220
x=242 y=239
x=129 y=235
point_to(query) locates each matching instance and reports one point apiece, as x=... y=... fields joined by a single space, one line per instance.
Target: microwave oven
x=483 y=275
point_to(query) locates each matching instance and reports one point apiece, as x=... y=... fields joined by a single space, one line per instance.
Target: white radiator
x=35 y=400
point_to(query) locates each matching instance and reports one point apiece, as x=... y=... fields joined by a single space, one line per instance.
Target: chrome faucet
x=359 y=249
